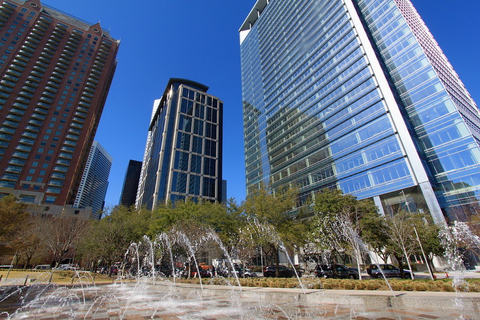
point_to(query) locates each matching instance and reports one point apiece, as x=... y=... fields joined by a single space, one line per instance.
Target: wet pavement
x=181 y=301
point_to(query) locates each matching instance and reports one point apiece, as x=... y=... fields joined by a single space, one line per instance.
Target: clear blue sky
x=198 y=40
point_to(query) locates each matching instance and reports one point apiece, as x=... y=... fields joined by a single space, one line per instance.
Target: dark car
x=389 y=270
x=283 y=272
x=336 y=271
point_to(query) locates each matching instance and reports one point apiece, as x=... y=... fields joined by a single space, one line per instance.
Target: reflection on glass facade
x=182 y=157
x=357 y=95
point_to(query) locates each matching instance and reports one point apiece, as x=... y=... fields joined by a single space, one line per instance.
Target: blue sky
x=198 y=40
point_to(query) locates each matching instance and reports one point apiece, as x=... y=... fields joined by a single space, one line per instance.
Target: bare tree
x=61 y=235
x=28 y=240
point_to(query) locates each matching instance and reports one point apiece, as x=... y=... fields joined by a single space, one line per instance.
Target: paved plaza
x=166 y=301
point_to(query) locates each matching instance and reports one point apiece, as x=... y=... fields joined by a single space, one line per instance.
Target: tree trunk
x=277 y=261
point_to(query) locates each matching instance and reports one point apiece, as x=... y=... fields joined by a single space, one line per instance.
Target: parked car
x=43 y=267
x=389 y=270
x=336 y=271
x=65 y=267
x=284 y=272
x=249 y=273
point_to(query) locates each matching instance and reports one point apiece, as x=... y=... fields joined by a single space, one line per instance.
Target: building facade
x=55 y=74
x=130 y=183
x=357 y=95
x=183 y=154
x=94 y=183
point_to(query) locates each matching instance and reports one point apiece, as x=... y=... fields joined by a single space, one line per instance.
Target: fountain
x=148 y=287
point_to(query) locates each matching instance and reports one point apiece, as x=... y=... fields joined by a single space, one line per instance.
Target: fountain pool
x=165 y=300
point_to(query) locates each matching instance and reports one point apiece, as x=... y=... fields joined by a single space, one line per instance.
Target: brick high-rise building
x=55 y=74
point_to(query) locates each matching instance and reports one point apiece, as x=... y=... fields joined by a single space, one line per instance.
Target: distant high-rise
x=130 y=183
x=357 y=95
x=94 y=183
x=55 y=74
x=183 y=154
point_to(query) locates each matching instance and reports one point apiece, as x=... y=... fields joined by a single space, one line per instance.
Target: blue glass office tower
x=183 y=154
x=94 y=184
x=357 y=95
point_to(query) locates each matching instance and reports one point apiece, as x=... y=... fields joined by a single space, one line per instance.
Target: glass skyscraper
x=130 y=183
x=183 y=153
x=357 y=95
x=94 y=183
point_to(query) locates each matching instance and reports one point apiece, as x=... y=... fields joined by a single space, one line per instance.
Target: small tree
x=338 y=222
x=108 y=239
x=12 y=217
x=272 y=221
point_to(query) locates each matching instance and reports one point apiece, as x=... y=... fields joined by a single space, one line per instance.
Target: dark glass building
x=183 y=154
x=55 y=74
x=357 y=95
x=130 y=183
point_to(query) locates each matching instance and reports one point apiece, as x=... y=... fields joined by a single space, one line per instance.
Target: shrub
x=447 y=287
x=420 y=287
x=407 y=286
x=372 y=286
x=360 y=285
x=349 y=285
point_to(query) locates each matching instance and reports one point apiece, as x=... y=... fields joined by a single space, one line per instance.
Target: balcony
x=14 y=117
x=22 y=147
x=38 y=116
x=80 y=114
x=77 y=119
x=17 y=162
x=11 y=124
x=10 y=177
x=21 y=155
x=29 y=134
x=39 y=68
x=44 y=105
x=74 y=131
x=35 y=122
x=57 y=175
x=70 y=143
x=17 y=111
x=32 y=129
x=14 y=169
x=68 y=149
x=21 y=103
x=65 y=155
x=60 y=168
x=54 y=182
x=14 y=72
x=24 y=96
x=63 y=162
x=27 y=141
x=44 y=98
x=5 y=137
